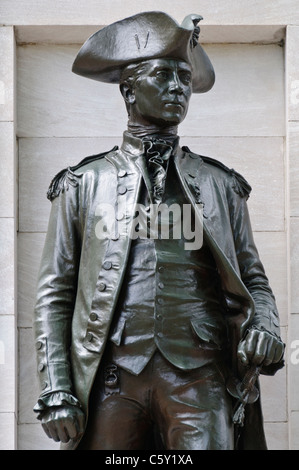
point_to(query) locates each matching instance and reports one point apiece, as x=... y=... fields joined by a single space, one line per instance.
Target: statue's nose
x=175 y=85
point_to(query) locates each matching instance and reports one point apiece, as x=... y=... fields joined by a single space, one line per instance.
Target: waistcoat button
x=89 y=337
x=107 y=265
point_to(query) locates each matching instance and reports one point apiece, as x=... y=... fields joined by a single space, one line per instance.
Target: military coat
x=81 y=272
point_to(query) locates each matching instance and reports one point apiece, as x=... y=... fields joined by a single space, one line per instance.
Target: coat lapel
x=199 y=191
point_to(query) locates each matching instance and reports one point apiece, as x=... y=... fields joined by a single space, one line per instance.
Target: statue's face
x=162 y=92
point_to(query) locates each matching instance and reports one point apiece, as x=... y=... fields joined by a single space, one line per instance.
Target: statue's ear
x=127 y=93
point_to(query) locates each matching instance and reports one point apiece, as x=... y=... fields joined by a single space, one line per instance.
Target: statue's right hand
x=63 y=423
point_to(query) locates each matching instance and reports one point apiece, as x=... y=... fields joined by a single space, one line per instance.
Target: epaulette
x=66 y=177
x=240 y=185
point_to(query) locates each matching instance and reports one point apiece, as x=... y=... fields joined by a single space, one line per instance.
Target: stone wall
x=249 y=121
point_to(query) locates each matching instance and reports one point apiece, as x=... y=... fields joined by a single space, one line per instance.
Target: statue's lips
x=174 y=104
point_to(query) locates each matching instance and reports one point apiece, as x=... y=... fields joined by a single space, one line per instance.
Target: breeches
x=178 y=410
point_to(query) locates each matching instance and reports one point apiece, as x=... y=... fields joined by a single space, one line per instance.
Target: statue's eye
x=185 y=77
x=162 y=74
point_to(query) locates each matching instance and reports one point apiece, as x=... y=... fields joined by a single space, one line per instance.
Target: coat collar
x=134 y=146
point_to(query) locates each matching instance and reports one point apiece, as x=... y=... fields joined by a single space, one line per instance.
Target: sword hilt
x=245 y=391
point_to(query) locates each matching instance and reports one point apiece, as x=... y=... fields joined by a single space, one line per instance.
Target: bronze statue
x=146 y=340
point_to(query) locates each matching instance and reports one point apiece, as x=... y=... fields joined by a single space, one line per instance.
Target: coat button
x=93 y=316
x=115 y=237
x=39 y=345
x=102 y=286
x=107 y=265
x=122 y=173
x=44 y=385
x=122 y=189
x=41 y=367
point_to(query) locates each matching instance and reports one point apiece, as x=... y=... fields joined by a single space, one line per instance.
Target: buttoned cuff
x=266 y=319
x=54 y=399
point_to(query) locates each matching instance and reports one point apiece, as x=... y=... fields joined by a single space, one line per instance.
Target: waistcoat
x=170 y=299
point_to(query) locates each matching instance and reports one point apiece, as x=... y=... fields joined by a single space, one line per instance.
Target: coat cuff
x=54 y=375
x=266 y=319
x=54 y=399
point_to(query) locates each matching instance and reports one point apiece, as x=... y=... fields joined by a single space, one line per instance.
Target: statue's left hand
x=260 y=347
x=63 y=423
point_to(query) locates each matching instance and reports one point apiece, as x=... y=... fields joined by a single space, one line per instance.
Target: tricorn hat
x=145 y=36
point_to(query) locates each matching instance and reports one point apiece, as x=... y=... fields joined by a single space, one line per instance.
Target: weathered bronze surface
x=152 y=339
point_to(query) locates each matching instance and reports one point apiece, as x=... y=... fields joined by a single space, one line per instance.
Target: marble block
x=7 y=266
x=8 y=351
x=101 y=12
x=7 y=73
x=247 y=99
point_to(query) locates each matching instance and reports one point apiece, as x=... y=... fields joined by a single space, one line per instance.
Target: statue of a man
x=146 y=339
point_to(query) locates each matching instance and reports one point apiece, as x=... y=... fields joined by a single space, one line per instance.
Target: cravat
x=157 y=154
